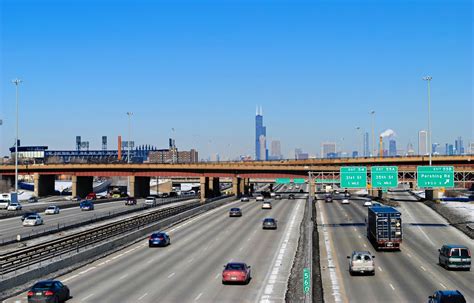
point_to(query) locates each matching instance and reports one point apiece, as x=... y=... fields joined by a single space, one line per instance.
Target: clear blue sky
x=201 y=67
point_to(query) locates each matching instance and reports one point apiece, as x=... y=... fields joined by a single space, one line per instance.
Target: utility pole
x=17 y=83
x=430 y=148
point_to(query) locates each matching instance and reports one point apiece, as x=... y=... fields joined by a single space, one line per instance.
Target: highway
x=189 y=270
x=11 y=227
x=410 y=275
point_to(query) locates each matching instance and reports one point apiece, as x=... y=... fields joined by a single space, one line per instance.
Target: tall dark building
x=366 y=145
x=392 y=148
x=261 y=152
x=458 y=146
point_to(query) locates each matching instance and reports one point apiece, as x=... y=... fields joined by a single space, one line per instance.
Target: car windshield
x=31 y=218
x=52 y=207
x=234 y=209
x=269 y=220
x=235 y=266
x=43 y=285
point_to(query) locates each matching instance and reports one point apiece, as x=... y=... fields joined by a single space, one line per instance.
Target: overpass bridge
x=239 y=172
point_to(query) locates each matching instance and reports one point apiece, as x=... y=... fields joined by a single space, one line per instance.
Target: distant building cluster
x=172 y=155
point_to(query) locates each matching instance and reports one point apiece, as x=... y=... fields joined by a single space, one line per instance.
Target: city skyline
x=205 y=85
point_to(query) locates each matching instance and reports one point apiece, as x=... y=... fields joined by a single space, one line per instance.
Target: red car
x=236 y=273
x=91 y=196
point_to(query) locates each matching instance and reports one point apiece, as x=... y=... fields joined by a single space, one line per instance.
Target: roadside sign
x=435 y=176
x=325 y=181
x=353 y=177
x=306 y=280
x=282 y=180
x=299 y=181
x=384 y=190
x=384 y=176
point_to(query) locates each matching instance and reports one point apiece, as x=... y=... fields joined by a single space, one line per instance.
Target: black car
x=291 y=197
x=131 y=201
x=277 y=197
x=48 y=291
x=27 y=214
x=32 y=199
x=235 y=212
x=447 y=296
x=328 y=199
x=159 y=239
x=269 y=223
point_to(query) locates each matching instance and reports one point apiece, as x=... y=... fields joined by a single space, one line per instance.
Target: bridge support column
x=7 y=183
x=214 y=187
x=432 y=194
x=311 y=189
x=247 y=186
x=139 y=187
x=204 y=187
x=81 y=186
x=236 y=186
x=44 y=185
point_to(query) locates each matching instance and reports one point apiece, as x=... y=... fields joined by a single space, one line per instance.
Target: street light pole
x=373 y=132
x=129 y=114
x=17 y=83
x=428 y=78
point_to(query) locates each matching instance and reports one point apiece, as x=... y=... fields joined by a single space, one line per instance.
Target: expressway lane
x=189 y=270
x=407 y=276
x=11 y=227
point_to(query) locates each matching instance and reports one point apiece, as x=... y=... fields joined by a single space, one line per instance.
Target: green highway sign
x=306 y=280
x=282 y=180
x=435 y=176
x=384 y=190
x=353 y=177
x=384 y=176
x=325 y=181
x=299 y=181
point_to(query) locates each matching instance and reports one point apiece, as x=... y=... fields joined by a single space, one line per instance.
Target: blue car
x=86 y=205
x=447 y=296
x=159 y=239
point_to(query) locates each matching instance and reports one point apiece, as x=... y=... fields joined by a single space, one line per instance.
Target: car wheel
x=223 y=282
x=351 y=272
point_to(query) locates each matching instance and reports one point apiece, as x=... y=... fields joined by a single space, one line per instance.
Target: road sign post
x=435 y=176
x=384 y=176
x=353 y=177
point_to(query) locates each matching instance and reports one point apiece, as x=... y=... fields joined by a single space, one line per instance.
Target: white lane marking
x=409 y=255
x=423 y=268
x=87 y=297
x=217 y=276
x=365 y=245
x=272 y=274
x=123 y=277
x=442 y=285
x=360 y=237
x=150 y=261
x=171 y=274
x=190 y=260
x=240 y=249
x=87 y=270
x=70 y=278
x=380 y=269
x=393 y=288
x=143 y=296
x=248 y=239
x=198 y=296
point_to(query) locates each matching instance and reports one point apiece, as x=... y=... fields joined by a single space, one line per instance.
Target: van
x=455 y=256
x=7 y=198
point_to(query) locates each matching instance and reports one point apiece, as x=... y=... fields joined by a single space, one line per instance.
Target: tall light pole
x=129 y=141
x=129 y=114
x=373 y=132
x=17 y=83
x=428 y=78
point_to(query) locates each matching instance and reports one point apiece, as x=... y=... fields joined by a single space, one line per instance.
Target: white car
x=33 y=220
x=51 y=210
x=14 y=206
x=266 y=205
x=150 y=201
x=345 y=201
x=367 y=203
x=260 y=198
x=361 y=262
x=244 y=199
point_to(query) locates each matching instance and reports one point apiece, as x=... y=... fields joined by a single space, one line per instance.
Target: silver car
x=150 y=201
x=33 y=220
x=361 y=262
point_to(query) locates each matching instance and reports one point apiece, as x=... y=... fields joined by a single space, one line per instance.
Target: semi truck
x=7 y=198
x=384 y=227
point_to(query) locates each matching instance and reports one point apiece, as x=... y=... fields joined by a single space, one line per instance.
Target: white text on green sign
x=435 y=176
x=306 y=280
x=282 y=180
x=384 y=176
x=353 y=177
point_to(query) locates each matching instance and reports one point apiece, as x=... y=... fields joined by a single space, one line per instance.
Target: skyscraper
x=422 y=143
x=471 y=148
x=366 y=145
x=459 y=147
x=275 y=150
x=410 y=150
x=328 y=148
x=261 y=152
x=392 y=148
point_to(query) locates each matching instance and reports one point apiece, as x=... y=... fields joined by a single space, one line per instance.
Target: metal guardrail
x=10 y=262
